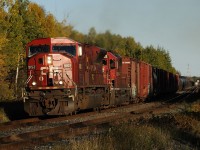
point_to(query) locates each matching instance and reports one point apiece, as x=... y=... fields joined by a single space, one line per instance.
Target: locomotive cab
x=51 y=83
x=111 y=69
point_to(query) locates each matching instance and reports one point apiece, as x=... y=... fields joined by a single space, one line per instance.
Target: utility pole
x=188 y=71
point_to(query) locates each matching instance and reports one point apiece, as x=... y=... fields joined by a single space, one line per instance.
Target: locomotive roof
x=56 y=40
x=115 y=54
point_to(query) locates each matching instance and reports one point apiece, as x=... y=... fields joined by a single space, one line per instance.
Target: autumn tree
x=22 y=21
x=15 y=32
x=77 y=36
x=126 y=46
x=5 y=91
x=91 y=36
x=158 y=57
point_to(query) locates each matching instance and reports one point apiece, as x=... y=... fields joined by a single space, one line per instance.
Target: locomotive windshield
x=70 y=49
x=38 y=49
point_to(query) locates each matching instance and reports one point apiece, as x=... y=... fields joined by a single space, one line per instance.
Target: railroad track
x=24 y=125
x=34 y=131
x=182 y=95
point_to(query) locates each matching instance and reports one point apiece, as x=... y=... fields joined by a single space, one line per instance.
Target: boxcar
x=144 y=80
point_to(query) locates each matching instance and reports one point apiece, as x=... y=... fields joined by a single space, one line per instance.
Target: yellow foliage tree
x=3 y=71
x=5 y=91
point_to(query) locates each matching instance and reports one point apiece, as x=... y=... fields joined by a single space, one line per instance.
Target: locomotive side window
x=112 y=64
x=71 y=49
x=104 y=62
x=38 y=49
x=40 y=61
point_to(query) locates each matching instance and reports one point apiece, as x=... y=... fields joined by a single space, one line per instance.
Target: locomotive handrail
x=74 y=84
x=29 y=78
x=60 y=74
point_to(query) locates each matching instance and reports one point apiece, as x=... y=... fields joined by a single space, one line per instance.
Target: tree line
x=22 y=21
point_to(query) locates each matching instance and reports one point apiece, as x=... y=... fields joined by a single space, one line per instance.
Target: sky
x=171 y=24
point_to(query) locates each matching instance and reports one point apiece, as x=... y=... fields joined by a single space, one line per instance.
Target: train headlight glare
x=49 y=59
x=33 y=83
x=60 y=82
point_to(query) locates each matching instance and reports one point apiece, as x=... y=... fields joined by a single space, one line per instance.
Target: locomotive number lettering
x=44 y=70
x=31 y=67
x=67 y=65
x=41 y=78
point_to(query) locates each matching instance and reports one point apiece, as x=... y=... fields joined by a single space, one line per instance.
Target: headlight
x=49 y=59
x=60 y=82
x=33 y=83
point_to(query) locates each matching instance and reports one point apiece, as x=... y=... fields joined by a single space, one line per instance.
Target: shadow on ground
x=14 y=110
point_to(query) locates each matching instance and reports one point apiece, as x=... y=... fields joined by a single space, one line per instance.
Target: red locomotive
x=65 y=76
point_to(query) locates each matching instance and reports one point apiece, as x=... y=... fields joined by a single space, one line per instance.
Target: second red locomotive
x=65 y=76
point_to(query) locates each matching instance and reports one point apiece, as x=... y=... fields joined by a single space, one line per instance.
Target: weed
x=195 y=107
x=139 y=137
x=122 y=137
x=98 y=142
x=3 y=116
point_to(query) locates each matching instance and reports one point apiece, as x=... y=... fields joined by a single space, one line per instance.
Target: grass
x=98 y=142
x=171 y=131
x=187 y=123
x=189 y=120
x=139 y=137
x=121 y=137
x=195 y=107
x=184 y=126
x=177 y=131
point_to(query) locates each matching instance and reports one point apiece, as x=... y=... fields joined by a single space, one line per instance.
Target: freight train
x=65 y=76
